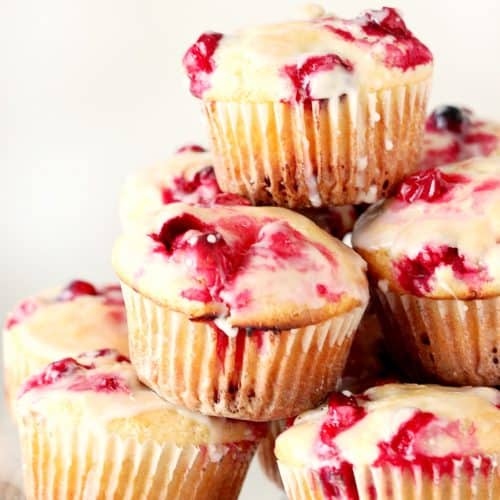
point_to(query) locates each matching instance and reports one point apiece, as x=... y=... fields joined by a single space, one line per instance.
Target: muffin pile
x=359 y=369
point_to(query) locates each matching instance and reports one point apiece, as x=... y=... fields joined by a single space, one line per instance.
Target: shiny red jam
x=430 y=185
x=300 y=75
x=81 y=380
x=415 y=275
x=199 y=62
x=202 y=190
x=215 y=262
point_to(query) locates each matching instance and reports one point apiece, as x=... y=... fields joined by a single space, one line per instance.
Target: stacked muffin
x=244 y=308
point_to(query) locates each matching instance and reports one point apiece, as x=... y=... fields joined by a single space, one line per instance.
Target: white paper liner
x=448 y=341
x=351 y=149
x=265 y=452
x=80 y=463
x=392 y=483
x=290 y=372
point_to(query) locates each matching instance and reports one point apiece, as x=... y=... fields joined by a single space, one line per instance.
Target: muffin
x=58 y=323
x=188 y=176
x=366 y=365
x=239 y=311
x=396 y=441
x=89 y=429
x=319 y=112
x=433 y=253
x=454 y=134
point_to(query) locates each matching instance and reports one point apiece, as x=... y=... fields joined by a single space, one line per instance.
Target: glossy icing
x=245 y=264
x=321 y=57
x=440 y=234
x=64 y=321
x=102 y=386
x=402 y=425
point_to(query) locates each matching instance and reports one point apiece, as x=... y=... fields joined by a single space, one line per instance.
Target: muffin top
x=187 y=176
x=256 y=267
x=454 y=134
x=64 y=321
x=101 y=388
x=401 y=425
x=318 y=58
x=439 y=236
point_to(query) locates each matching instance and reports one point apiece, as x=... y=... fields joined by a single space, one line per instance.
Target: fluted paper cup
x=264 y=375
x=78 y=462
x=351 y=149
x=453 y=342
x=473 y=478
x=265 y=452
x=18 y=366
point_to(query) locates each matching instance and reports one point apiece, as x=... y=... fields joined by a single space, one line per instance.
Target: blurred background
x=94 y=89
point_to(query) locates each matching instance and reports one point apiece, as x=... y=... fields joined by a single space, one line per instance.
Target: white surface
x=93 y=89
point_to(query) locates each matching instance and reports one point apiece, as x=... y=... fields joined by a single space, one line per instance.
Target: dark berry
x=449 y=118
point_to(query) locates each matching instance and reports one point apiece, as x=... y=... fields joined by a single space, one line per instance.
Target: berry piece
x=415 y=274
x=428 y=185
x=191 y=148
x=20 y=313
x=76 y=289
x=54 y=372
x=449 y=118
x=199 y=62
x=300 y=75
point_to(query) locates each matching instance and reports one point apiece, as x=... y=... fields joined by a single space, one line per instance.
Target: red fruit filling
x=202 y=190
x=485 y=142
x=406 y=52
x=199 y=63
x=404 y=449
x=338 y=480
x=82 y=382
x=300 y=75
x=24 y=310
x=76 y=289
x=415 y=274
x=215 y=262
x=428 y=185
x=191 y=148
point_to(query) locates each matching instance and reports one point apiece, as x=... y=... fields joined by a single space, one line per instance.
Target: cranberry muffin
x=239 y=311
x=90 y=429
x=188 y=176
x=395 y=441
x=324 y=111
x=58 y=323
x=433 y=256
x=455 y=134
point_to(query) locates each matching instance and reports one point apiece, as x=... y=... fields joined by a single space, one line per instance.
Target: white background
x=94 y=89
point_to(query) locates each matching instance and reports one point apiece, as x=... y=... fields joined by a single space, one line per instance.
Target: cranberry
x=199 y=62
x=391 y=24
x=230 y=199
x=54 y=372
x=76 y=289
x=176 y=228
x=20 y=313
x=343 y=413
x=191 y=148
x=300 y=75
x=407 y=51
x=449 y=118
x=100 y=382
x=415 y=274
x=428 y=185
x=200 y=246
x=101 y=353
